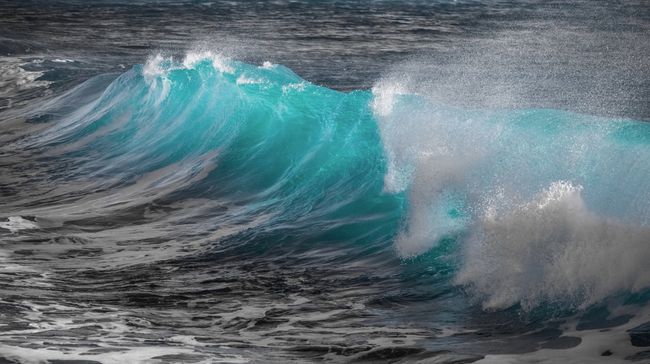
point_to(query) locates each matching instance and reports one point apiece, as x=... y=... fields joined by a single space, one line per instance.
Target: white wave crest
x=159 y=65
x=428 y=157
x=476 y=175
x=220 y=62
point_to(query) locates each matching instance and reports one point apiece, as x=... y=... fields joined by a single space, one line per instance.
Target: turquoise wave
x=538 y=205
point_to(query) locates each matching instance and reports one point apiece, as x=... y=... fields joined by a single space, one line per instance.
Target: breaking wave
x=541 y=205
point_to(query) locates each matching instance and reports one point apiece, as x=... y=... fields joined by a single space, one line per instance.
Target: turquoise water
x=525 y=194
x=324 y=181
x=370 y=208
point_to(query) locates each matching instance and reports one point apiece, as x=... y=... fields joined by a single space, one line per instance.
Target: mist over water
x=324 y=181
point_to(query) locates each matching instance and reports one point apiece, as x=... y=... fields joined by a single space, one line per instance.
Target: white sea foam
x=384 y=94
x=531 y=195
x=155 y=73
x=18 y=223
x=154 y=67
x=243 y=80
x=554 y=249
x=593 y=343
x=13 y=77
x=158 y=64
x=220 y=62
x=298 y=87
x=428 y=156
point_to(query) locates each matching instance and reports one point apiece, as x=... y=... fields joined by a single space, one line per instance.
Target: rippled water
x=239 y=181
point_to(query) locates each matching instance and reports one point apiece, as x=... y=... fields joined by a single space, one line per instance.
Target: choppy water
x=436 y=182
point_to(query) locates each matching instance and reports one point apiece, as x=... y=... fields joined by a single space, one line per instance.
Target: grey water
x=153 y=283
x=588 y=56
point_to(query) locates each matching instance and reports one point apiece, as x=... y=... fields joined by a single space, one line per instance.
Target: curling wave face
x=230 y=146
x=539 y=205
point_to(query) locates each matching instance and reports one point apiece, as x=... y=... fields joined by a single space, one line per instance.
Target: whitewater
x=335 y=181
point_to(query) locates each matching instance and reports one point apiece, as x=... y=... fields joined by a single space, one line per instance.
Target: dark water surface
x=300 y=181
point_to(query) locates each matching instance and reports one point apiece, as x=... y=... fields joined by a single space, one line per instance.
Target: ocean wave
x=254 y=143
x=382 y=166
x=476 y=175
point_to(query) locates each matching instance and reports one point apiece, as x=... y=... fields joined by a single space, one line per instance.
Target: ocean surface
x=324 y=181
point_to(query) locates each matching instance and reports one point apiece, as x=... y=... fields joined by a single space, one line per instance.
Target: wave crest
x=475 y=176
